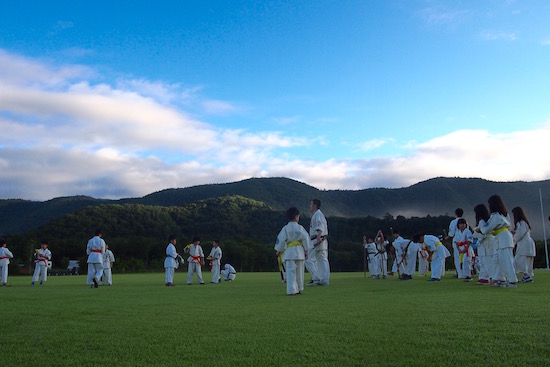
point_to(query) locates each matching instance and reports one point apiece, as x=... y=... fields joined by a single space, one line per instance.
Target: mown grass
x=251 y=322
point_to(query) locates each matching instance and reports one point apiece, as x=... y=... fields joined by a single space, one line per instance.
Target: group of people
x=100 y=261
x=298 y=250
x=195 y=262
x=486 y=249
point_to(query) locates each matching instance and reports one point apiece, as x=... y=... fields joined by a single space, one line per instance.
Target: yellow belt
x=294 y=244
x=499 y=230
x=438 y=244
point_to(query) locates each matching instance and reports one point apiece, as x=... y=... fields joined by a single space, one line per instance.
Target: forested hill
x=438 y=196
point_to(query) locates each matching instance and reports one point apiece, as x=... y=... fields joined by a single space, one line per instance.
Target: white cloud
x=499 y=36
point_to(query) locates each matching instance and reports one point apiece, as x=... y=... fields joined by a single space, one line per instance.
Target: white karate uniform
x=317 y=262
x=5 y=256
x=423 y=263
x=215 y=255
x=382 y=257
x=453 y=228
x=525 y=250
x=194 y=261
x=293 y=241
x=406 y=263
x=504 y=244
x=465 y=261
x=95 y=250
x=228 y=272
x=108 y=259
x=440 y=253
x=170 y=263
x=41 y=265
x=373 y=259
x=485 y=252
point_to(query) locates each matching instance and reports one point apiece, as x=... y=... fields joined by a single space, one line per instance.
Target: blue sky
x=119 y=99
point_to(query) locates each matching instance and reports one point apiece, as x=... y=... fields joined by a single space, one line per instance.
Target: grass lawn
x=251 y=322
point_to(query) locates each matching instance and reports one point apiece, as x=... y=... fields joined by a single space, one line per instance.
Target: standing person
x=108 y=260
x=171 y=261
x=317 y=262
x=95 y=250
x=526 y=249
x=228 y=273
x=372 y=257
x=453 y=227
x=42 y=255
x=499 y=224
x=195 y=260
x=5 y=256
x=462 y=242
x=423 y=262
x=437 y=253
x=485 y=246
x=215 y=257
x=292 y=244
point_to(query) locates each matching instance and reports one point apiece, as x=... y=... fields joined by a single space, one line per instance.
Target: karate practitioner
x=453 y=227
x=423 y=262
x=437 y=253
x=485 y=246
x=228 y=273
x=95 y=250
x=372 y=257
x=405 y=254
x=42 y=255
x=215 y=257
x=108 y=260
x=317 y=262
x=171 y=261
x=462 y=241
x=292 y=244
x=5 y=256
x=499 y=225
x=382 y=255
x=195 y=261
x=526 y=249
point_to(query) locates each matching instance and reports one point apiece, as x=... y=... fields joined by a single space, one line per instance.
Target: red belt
x=197 y=258
x=4 y=257
x=98 y=251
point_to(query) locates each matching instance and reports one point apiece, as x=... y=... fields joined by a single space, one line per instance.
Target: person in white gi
x=525 y=246
x=171 y=261
x=499 y=225
x=437 y=253
x=108 y=260
x=372 y=257
x=5 y=256
x=453 y=227
x=95 y=250
x=382 y=255
x=42 y=255
x=423 y=262
x=228 y=273
x=195 y=260
x=462 y=241
x=317 y=262
x=215 y=257
x=292 y=244
x=485 y=246
x=405 y=254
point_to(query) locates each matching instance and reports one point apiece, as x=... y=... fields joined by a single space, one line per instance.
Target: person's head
x=496 y=205
x=396 y=233
x=293 y=214
x=216 y=243
x=459 y=212
x=370 y=239
x=418 y=238
x=172 y=239
x=481 y=212
x=196 y=240
x=106 y=246
x=519 y=215
x=44 y=244
x=98 y=232
x=2 y=242
x=315 y=205
x=461 y=224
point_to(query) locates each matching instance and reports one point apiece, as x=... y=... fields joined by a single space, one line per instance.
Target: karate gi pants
x=194 y=267
x=4 y=272
x=505 y=262
x=107 y=276
x=374 y=265
x=215 y=273
x=95 y=270
x=456 y=257
x=40 y=271
x=438 y=262
x=169 y=278
x=294 y=276
x=466 y=265
x=486 y=267
x=524 y=265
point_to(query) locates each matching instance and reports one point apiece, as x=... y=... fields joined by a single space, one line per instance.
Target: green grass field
x=251 y=322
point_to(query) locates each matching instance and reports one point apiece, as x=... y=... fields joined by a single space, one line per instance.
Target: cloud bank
x=63 y=134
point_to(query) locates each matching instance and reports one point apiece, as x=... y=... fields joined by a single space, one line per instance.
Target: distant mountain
x=438 y=196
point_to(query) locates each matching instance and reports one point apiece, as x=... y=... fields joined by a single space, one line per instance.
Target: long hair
x=496 y=205
x=519 y=215
x=481 y=213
